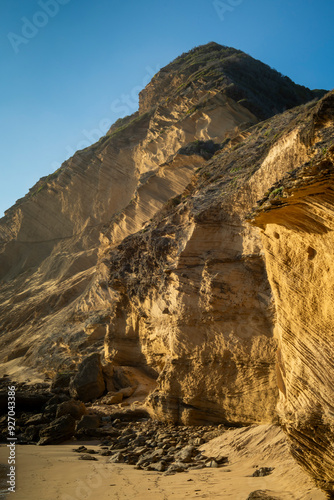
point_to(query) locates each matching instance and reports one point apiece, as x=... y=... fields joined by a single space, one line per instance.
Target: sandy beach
x=56 y=473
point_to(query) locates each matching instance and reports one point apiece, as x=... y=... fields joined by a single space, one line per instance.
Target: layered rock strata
x=192 y=298
x=55 y=305
x=140 y=247
x=298 y=224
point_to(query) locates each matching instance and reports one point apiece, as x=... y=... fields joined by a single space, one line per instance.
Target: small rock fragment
x=117 y=458
x=211 y=463
x=85 y=456
x=263 y=471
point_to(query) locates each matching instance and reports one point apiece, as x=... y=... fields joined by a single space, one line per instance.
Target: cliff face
x=298 y=241
x=50 y=239
x=140 y=248
x=193 y=298
x=51 y=293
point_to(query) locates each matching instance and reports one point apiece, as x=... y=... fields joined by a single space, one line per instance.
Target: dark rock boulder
x=58 y=398
x=261 y=495
x=74 y=408
x=37 y=419
x=32 y=433
x=87 y=457
x=59 y=430
x=117 y=458
x=88 y=383
x=185 y=454
x=61 y=382
x=88 y=423
x=263 y=471
x=50 y=411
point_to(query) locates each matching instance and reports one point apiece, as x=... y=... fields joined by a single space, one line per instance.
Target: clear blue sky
x=72 y=67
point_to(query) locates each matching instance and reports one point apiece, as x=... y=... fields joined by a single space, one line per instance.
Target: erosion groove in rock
x=140 y=249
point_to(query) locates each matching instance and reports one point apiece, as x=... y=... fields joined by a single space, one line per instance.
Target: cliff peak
x=218 y=68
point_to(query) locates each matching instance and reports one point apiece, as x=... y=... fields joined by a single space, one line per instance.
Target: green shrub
x=277 y=192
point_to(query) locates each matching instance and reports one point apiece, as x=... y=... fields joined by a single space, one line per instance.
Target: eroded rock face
x=190 y=249
x=55 y=302
x=139 y=246
x=50 y=240
x=193 y=303
x=298 y=239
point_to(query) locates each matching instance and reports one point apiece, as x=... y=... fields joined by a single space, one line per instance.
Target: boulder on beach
x=88 y=383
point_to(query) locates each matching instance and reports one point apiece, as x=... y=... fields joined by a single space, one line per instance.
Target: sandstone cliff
x=297 y=222
x=50 y=239
x=140 y=247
